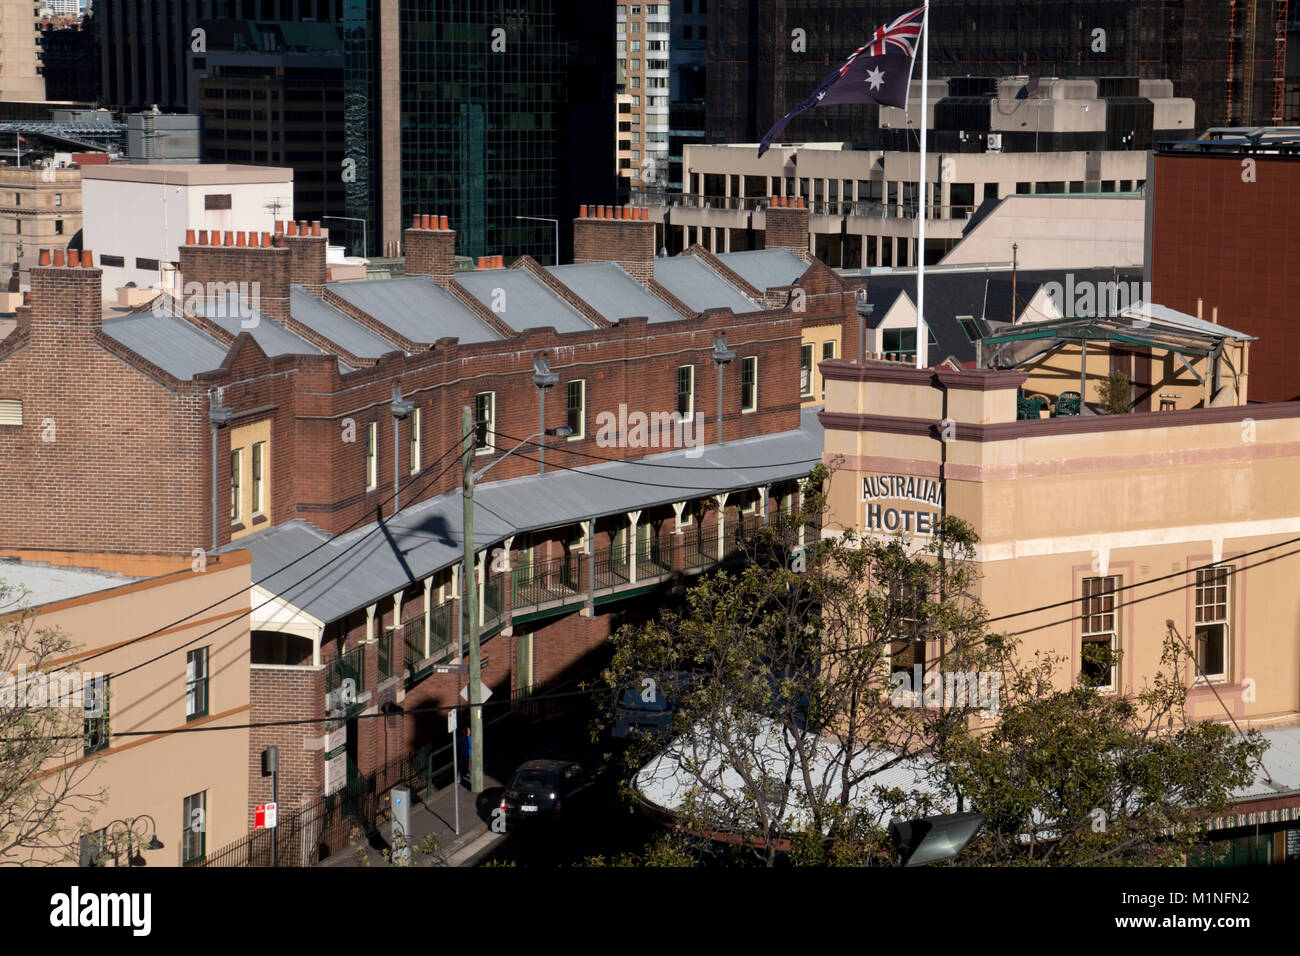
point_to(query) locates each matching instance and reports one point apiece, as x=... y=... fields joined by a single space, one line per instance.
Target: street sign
x=486 y=691
x=264 y=816
x=451 y=721
x=451 y=668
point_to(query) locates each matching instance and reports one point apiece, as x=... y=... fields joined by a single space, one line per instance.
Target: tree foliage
x=800 y=733
x=44 y=800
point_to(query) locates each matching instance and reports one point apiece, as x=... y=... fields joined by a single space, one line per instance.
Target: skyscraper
x=484 y=113
x=765 y=56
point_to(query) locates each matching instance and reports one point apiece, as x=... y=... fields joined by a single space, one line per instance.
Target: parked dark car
x=544 y=790
x=647 y=708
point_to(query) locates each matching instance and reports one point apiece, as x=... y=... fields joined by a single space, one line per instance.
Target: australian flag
x=879 y=71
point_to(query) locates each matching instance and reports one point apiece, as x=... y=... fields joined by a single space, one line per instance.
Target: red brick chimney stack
x=622 y=234
x=787 y=223
x=430 y=246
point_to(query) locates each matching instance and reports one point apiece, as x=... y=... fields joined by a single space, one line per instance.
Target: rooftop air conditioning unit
x=995 y=142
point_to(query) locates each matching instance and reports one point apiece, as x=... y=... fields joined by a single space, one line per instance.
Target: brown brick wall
x=430 y=252
x=107 y=458
x=286 y=694
x=629 y=242
x=786 y=226
x=270 y=268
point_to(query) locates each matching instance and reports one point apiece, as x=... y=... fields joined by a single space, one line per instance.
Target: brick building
x=110 y=444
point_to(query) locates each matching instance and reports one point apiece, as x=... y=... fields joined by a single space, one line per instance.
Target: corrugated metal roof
x=1166 y=316
x=273 y=337
x=765 y=268
x=428 y=536
x=699 y=286
x=175 y=346
x=522 y=300
x=1282 y=761
x=609 y=289
x=335 y=326
x=416 y=307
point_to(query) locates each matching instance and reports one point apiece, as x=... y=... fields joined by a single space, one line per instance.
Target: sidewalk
x=437 y=816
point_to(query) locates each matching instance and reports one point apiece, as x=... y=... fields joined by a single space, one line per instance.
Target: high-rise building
x=70 y=53
x=21 y=77
x=766 y=57
x=487 y=113
x=145 y=46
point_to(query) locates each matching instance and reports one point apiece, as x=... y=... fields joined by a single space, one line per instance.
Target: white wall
x=126 y=219
x=1058 y=232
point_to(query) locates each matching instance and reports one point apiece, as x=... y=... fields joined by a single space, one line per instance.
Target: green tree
x=801 y=697
x=45 y=807
x=1116 y=392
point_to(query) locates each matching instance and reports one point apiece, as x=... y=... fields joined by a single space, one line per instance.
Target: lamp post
x=127 y=831
x=469 y=603
x=543 y=378
x=721 y=356
x=557 y=232
x=400 y=408
x=218 y=417
x=364 y=244
x=933 y=839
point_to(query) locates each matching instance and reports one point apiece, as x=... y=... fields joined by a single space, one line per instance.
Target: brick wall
x=612 y=234
x=430 y=246
x=108 y=458
x=280 y=694
x=786 y=226
x=269 y=267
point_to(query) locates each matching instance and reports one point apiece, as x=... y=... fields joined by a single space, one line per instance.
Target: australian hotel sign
x=901 y=503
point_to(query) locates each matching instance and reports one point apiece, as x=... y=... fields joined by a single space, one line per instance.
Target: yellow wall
x=816 y=336
x=243 y=439
x=154 y=773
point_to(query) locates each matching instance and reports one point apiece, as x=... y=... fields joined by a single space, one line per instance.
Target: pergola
x=1143 y=325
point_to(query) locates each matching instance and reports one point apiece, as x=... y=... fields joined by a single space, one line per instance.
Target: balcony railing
x=610 y=569
x=346 y=673
x=386 y=661
x=544 y=582
x=861 y=208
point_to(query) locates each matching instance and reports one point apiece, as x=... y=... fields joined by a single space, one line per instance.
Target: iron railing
x=350 y=666
x=543 y=582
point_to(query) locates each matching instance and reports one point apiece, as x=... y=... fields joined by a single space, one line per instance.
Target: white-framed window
x=686 y=392
x=417 y=422
x=196 y=683
x=485 y=416
x=1213 y=627
x=372 y=456
x=1100 y=642
x=576 y=410
x=806 y=371
x=749 y=383
x=236 y=488
x=259 y=465
x=194 y=828
x=828 y=352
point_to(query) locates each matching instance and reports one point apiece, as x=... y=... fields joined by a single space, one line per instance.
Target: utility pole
x=469 y=606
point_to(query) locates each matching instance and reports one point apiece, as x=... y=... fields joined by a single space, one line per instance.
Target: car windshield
x=535 y=781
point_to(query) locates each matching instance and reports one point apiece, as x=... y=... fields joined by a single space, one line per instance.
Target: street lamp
x=865 y=309
x=557 y=232
x=400 y=408
x=933 y=839
x=543 y=378
x=128 y=832
x=469 y=603
x=721 y=356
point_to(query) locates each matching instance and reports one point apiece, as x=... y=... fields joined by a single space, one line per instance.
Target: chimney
x=307 y=254
x=259 y=271
x=786 y=224
x=65 y=293
x=431 y=249
x=624 y=235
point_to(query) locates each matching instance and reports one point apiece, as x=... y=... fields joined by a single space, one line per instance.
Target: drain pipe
x=218 y=417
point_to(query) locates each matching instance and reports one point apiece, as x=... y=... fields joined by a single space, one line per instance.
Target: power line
x=286 y=590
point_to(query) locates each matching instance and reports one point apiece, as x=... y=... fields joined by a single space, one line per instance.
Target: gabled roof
x=235 y=317
x=765 y=268
x=522 y=300
x=171 y=343
x=688 y=278
x=342 y=330
x=609 y=289
x=416 y=307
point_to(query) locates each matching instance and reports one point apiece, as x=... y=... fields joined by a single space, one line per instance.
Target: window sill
x=198 y=716
x=748 y=411
x=237 y=527
x=259 y=519
x=577 y=437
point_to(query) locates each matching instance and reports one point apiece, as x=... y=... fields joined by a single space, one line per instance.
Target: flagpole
x=921 y=337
